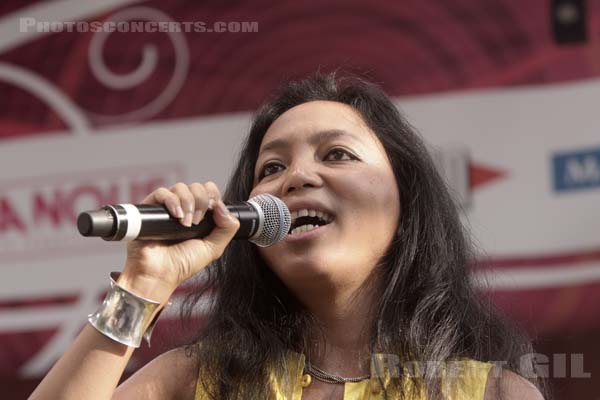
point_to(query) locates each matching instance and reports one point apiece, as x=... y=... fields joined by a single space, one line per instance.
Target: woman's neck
x=341 y=341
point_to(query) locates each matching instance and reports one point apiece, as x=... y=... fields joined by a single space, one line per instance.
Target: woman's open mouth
x=308 y=221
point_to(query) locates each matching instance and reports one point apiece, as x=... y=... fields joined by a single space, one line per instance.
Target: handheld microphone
x=264 y=220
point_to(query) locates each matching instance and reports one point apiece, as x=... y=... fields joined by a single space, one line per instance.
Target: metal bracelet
x=124 y=316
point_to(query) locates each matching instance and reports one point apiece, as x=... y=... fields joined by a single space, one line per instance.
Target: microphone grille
x=277 y=219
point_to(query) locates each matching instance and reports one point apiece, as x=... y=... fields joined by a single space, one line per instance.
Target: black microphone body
x=264 y=218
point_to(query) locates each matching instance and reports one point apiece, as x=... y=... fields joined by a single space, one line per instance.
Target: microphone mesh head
x=277 y=219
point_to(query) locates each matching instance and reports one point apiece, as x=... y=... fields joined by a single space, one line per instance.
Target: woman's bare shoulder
x=511 y=385
x=172 y=375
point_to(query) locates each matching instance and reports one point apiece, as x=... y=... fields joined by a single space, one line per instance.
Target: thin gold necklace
x=326 y=377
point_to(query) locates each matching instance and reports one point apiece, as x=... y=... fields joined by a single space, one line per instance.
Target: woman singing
x=367 y=297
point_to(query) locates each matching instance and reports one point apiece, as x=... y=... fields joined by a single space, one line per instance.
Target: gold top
x=463 y=379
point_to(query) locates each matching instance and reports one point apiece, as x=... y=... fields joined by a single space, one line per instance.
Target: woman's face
x=321 y=156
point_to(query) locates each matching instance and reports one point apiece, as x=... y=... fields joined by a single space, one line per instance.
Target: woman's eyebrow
x=315 y=139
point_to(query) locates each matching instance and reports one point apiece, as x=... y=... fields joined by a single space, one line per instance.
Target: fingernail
x=197 y=217
x=211 y=203
x=179 y=212
x=187 y=220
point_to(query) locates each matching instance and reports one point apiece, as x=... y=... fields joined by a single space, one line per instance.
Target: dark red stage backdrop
x=410 y=47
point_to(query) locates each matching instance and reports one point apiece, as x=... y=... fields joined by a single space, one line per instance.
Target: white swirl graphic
x=144 y=70
x=70 y=114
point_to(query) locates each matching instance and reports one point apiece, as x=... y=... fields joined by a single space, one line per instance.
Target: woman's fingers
x=201 y=201
x=188 y=203
x=213 y=191
x=214 y=194
x=168 y=198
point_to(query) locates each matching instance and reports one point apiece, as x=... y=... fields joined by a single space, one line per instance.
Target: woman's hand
x=154 y=269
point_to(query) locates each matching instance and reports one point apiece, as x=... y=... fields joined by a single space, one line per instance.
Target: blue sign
x=576 y=170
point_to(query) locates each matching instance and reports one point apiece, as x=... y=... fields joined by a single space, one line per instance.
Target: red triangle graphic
x=481 y=175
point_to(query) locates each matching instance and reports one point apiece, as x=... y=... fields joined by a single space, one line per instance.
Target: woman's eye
x=270 y=168
x=339 y=155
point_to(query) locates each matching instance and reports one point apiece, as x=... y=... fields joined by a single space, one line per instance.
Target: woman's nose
x=300 y=177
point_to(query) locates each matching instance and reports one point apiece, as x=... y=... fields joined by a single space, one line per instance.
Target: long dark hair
x=428 y=308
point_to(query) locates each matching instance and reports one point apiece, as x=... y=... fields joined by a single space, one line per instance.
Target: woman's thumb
x=226 y=225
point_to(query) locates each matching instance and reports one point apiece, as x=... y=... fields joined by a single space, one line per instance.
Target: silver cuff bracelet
x=125 y=317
